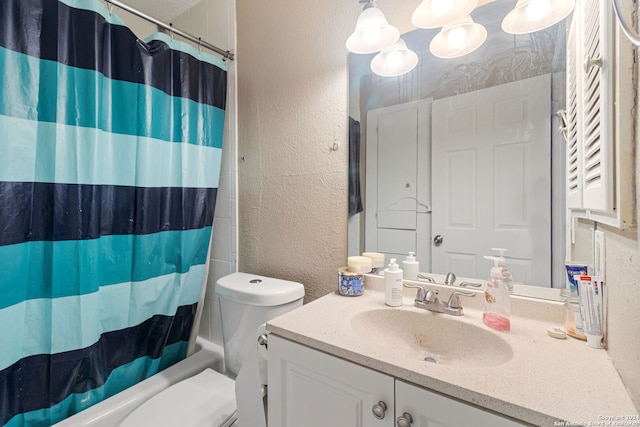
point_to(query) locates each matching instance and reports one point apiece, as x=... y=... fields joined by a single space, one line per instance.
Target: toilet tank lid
x=258 y=290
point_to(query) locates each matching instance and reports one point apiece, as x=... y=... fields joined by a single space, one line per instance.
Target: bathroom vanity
x=321 y=390
x=356 y=362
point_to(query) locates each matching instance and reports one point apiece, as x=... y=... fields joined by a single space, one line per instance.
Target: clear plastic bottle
x=506 y=273
x=410 y=267
x=393 y=284
x=497 y=309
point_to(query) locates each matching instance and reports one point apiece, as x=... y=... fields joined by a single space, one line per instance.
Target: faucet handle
x=454 y=300
x=470 y=284
x=420 y=294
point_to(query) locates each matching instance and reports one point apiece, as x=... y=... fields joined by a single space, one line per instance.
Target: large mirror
x=463 y=155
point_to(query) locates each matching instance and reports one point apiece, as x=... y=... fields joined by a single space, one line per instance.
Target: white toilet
x=208 y=399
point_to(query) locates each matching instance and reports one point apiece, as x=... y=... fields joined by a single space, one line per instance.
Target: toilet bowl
x=213 y=399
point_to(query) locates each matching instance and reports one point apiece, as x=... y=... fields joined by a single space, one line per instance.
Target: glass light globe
x=457 y=37
x=441 y=7
x=535 y=15
x=394 y=59
x=537 y=9
x=371 y=35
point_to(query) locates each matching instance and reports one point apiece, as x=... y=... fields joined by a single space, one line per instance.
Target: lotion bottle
x=497 y=309
x=410 y=267
x=393 y=284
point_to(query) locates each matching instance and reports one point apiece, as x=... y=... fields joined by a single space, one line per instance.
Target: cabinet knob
x=404 y=420
x=379 y=410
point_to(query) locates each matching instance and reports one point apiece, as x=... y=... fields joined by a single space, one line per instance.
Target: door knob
x=379 y=410
x=404 y=420
x=438 y=240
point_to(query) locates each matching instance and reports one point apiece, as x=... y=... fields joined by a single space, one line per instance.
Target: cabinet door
x=312 y=389
x=429 y=409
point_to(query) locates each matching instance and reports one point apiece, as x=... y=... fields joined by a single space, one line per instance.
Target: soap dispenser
x=410 y=267
x=506 y=273
x=393 y=284
x=497 y=310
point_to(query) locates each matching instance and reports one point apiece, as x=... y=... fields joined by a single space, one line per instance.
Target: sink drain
x=430 y=359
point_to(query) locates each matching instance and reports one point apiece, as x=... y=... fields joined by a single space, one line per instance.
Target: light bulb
x=371 y=35
x=457 y=37
x=537 y=9
x=394 y=59
x=441 y=7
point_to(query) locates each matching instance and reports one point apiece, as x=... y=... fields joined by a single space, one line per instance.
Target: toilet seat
x=204 y=400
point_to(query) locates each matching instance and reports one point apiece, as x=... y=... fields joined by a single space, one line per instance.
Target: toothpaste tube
x=573 y=269
x=590 y=289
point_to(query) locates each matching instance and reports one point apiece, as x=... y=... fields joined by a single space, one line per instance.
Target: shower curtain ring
x=171 y=30
x=110 y=7
x=200 y=44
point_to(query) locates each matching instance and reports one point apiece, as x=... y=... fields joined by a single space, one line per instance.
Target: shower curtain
x=110 y=151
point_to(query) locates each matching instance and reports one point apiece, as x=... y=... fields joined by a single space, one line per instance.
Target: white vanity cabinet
x=308 y=388
x=313 y=389
x=428 y=409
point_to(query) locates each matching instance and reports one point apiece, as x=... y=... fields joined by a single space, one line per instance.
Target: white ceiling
x=164 y=10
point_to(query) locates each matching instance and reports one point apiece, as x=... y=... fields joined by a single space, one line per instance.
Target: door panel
x=491 y=185
x=398 y=181
x=397 y=175
x=314 y=389
x=429 y=409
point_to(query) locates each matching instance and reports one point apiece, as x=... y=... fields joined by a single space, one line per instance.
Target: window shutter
x=597 y=136
x=573 y=137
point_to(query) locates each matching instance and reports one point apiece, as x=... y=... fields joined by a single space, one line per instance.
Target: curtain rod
x=224 y=53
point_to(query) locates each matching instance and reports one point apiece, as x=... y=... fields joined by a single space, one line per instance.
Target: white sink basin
x=437 y=338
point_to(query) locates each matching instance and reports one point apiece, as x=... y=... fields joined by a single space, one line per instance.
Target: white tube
x=590 y=289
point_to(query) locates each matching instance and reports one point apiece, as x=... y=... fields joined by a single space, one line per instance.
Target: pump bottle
x=497 y=310
x=410 y=267
x=506 y=273
x=393 y=284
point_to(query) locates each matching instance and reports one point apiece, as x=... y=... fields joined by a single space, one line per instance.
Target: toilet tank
x=247 y=301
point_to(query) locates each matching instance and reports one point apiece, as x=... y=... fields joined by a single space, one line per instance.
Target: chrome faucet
x=450 y=279
x=428 y=300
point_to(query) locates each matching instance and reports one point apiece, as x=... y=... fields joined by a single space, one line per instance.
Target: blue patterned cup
x=350 y=284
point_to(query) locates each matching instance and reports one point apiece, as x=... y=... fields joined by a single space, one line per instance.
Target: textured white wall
x=622 y=272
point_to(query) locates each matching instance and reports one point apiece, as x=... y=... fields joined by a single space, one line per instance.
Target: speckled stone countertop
x=545 y=382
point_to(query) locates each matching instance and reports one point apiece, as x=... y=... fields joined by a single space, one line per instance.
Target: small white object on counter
x=377 y=261
x=557 y=333
x=359 y=264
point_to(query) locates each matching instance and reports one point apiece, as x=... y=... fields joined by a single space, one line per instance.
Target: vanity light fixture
x=395 y=60
x=438 y=13
x=373 y=33
x=534 y=15
x=458 y=39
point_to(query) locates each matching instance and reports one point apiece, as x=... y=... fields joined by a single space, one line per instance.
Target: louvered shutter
x=573 y=137
x=597 y=95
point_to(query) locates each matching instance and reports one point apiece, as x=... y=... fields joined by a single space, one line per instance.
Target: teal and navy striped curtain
x=110 y=152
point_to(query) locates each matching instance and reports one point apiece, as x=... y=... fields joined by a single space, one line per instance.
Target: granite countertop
x=546 y=380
